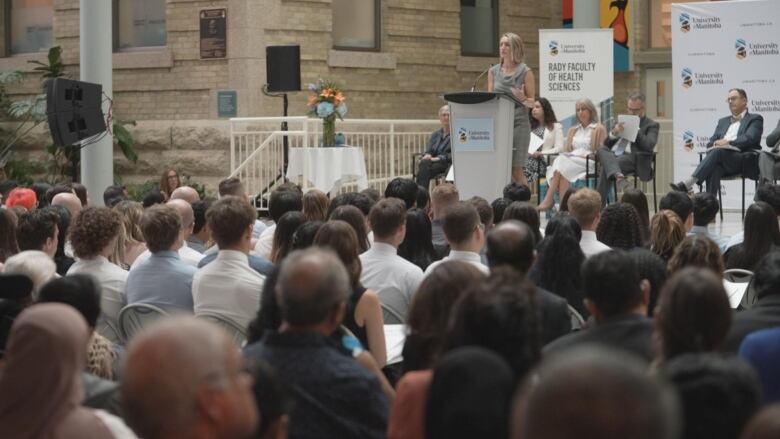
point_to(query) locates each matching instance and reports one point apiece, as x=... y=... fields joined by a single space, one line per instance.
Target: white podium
x=481 y=129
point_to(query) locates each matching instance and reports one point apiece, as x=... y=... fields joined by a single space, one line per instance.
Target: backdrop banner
x=717 y=46
x=574 y=64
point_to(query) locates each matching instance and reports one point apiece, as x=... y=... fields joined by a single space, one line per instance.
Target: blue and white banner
x=717 y=46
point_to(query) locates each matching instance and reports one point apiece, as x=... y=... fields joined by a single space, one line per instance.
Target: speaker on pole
x=74 y=110
x=283 y=68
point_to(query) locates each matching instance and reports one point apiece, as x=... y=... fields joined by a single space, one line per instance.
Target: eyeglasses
x=733 y=98
x=173 y=176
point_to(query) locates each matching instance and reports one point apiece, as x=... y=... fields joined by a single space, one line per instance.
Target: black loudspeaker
x=74 y=110
x=283 y=68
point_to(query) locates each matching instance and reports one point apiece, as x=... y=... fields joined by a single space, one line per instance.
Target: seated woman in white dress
x=582 y=140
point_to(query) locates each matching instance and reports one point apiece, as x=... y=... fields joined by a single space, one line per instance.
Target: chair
x=234 y=330
x=749 y=170
x=391 y=316
x=133 y=317
x=436 y=178
x=109 y=330
x=577 y=322
x=636 y=177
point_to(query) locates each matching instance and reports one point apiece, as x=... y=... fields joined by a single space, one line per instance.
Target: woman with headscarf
x=40 y=383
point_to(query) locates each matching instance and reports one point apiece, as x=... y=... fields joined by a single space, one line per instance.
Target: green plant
x=137 y=191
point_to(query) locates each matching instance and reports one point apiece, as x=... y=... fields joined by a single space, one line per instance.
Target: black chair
x=749 y=171
x=636 y=178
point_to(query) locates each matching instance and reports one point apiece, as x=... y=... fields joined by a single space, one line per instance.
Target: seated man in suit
x=437 y=157
x=617 y=155
x=734 y=136
x=768 y=159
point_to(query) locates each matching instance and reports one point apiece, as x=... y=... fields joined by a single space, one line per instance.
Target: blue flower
x=342 y=109
x=312 y=87
x=324 y=109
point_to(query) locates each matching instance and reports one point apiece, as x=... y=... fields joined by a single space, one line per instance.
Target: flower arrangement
x=327 y=103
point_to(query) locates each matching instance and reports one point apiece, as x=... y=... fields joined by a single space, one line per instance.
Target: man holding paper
x=634 y=133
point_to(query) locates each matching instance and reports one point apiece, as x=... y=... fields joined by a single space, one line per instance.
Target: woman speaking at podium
x=515 y=79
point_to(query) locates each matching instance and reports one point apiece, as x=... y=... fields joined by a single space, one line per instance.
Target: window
x=30 y=25
x=139 y=23
x=479 y=27
x=356 y=24
x=661 y=22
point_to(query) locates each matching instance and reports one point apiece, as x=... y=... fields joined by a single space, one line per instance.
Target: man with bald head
x=335 y=397
x=188 y=256
x=69 y=201
x=185 y=193
x=184 y=378
x=511 y=243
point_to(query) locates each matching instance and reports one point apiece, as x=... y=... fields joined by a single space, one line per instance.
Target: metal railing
x=257 y=148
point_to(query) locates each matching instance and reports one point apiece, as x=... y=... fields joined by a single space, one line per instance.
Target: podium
x=481 y=130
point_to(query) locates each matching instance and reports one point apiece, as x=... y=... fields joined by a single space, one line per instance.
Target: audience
x=37 y=230
x=423 y=199
x=186 y=254
x=200 y=238
x=638 y=199
x=517 y=192
x=303 y=237
x=585 y=207
x=442 y=197
x=185 y=193
x=8 y=243
x=61 y=257
x=283 y=200
x=666 y=233
x=618 y=227
x=234 y=186
x=403 y=188
x=682 y=206
x=40 y=188
x=760 y=350
x=131 y=243
x=334 y=396
x=81 y=191
x=652 y=269
x=764 y=425
x=768 y=193
x=169 y=181
x=696 y=251
x=274 y=400
x=315 y=205
x=111 y=196
x=21 y=197
x=36 y=265
x=283 y=235
x=352 y=216
x=394 y=279
x=705 y=210
x=526 y=213
x=499 y=205
x=465 y=235
x=765 y=313
x=417 y=246
x=762 y=236
x=69 y=201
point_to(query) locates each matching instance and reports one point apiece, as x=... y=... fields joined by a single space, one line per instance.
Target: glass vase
x=329 y=131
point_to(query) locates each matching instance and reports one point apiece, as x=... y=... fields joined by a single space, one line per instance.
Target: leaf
x=10 y=77
x=125 y=140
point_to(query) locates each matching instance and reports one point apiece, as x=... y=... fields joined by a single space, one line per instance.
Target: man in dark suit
x=765 y=313
x=736 y=138
x=768 y=159
x=617 y=299
x=511 y=244
x=437 y=157
x=619 y=156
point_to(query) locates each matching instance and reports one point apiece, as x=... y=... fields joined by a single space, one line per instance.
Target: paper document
x=630 y=126
x=735 y=291
x=535 y=143
x=395 y=336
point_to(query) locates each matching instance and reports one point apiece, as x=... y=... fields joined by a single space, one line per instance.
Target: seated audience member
x=93 y=235
x=162 y=280
x=768 y=193
x=303 y=237
x=5 y=188
x=585 y=207
x=618 y=227
x=113 y=195
x=423 y=199
x=617 y=299
x=652 y=269
x=442 y=197
x=666 y=233
x=511 y=244
x=515 y=191
x=499 y=205
x=359 y=222
x=719 y=394
x=364 y=313
x=374 y=195
x=200 y=237
x=313 y=290
x=187 y=255
x=403 y=188
x=185 y=193
x=464 y=234
x=764 y=425
x=697 y=251
x=282 y=200
x=470 y=395
x=184 y=377
x=705 y=210
x=82 y=293
x=765 y=313
x=8 y=243
x=153 y=197
x=761 y=349
x=429 y=313
x=761 y=237
x=132 y=243
x=228 y=286
x=580 y=393
x=485 y=217
x=81 y=191
x=363 y=202
x=315 y=205
x=274 y=400
x=282 y=245
x=37 y=230
x=56 y=190
x=234 y=186
x=526 y=213
x=693 y=314
x=438 y=155
x=62 y=260
x=36 y=265
x=417 y=246
x=564 y=206
x=638 y=199
x=681 y=204
x=408 y=413
x=22 y=197
x=394 y=279
x=40 y=188
x=41 y=381
x=69 y=201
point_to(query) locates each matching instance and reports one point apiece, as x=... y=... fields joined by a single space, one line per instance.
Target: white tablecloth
x=328 y=168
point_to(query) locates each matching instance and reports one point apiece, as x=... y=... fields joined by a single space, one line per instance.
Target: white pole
x=95 y=48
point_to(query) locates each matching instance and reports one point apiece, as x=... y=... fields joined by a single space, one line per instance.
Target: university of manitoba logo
x=741 y=47
x=463 y=135
x=688 y=138
x=685 y=22
x=553 y=48
x=687 y=77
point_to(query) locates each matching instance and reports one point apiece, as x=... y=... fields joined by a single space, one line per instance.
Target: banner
x=616 y=15
x=718 y=46
x=574 y=64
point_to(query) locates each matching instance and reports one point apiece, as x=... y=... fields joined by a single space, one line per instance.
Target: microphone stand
x=474 y=85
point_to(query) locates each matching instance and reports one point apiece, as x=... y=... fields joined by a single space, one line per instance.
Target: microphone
x=474 y=85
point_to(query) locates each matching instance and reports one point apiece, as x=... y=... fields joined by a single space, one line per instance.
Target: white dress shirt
x=187 y=254
x=229 y=287
x=456 y=255
x=731 y=133
x=394 y=279
x=590 y=245
x=112 y=281
x=265 y=242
